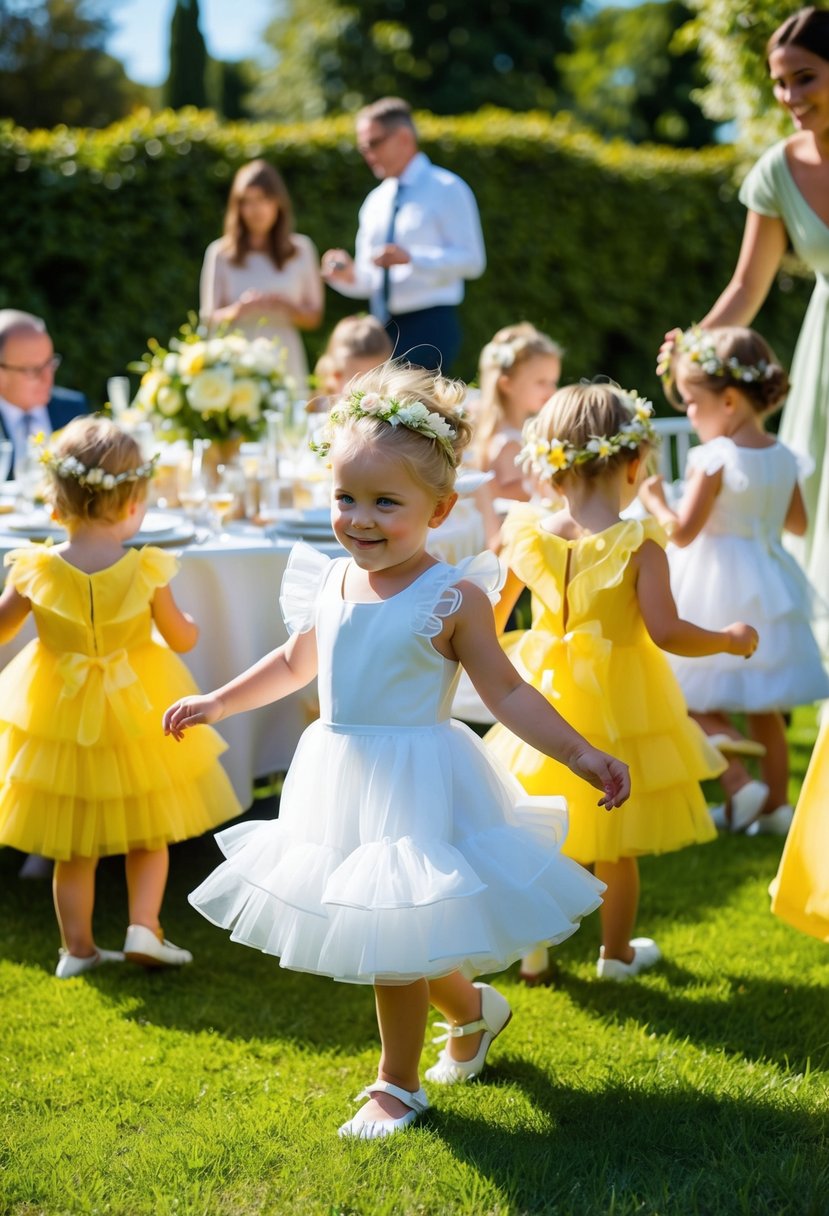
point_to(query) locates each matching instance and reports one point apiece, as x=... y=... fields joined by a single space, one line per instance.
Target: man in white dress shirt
x=29 y=401
x=419 y=238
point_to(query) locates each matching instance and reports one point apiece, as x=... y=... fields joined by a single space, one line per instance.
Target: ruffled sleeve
x=717 y=454
x=536 y=557
x=759 y=189
x=604 y=558
x=301 y=585
x=804 y=461
x=157 y=566
x=439 y=596
x=29 y=573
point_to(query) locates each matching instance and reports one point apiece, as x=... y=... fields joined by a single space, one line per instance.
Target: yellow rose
x=246 y=399
x=211 y=391
x=151 y=382
x=168 y=401
x=191 y=358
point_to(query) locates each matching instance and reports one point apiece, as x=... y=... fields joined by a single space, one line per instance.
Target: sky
x=141 y=30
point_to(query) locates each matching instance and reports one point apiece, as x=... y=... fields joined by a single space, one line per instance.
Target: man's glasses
x=34 y=373
x=369 y=145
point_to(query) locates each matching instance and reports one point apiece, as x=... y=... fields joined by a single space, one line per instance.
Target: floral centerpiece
x=213 y=388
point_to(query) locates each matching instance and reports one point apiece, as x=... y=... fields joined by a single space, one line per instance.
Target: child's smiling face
x=380 y=514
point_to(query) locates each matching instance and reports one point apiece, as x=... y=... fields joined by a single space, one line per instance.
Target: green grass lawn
x=700 y=1088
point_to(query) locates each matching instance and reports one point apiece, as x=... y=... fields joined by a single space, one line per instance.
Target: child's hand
x=666 y=350
x=605 y=773
x=192 y=711
x=652 y=493
x=741 y=639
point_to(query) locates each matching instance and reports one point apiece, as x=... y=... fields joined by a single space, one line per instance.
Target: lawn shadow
x=760 y=1019
x=629 y=1149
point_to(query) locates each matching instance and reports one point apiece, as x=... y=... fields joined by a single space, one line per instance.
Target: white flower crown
x=498 y=354
x=411 y=413
x=698 y=345
x=544 y=458
x=70 y=466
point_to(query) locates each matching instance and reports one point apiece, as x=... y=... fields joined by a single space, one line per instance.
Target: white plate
x=157 y=529
x=313 y=524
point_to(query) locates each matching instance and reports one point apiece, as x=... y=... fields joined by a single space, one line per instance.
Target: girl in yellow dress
x=602 y=612
x=800 y=892
x=85 y=769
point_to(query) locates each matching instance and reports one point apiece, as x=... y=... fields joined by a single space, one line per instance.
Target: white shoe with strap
x=152 y=949
x=70 y=965
x=495 y=1016
x=360 y=1128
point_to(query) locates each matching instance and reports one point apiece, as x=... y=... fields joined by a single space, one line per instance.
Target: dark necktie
x=385 y=292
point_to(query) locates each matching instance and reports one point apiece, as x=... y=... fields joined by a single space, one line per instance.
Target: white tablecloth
x=232 y=591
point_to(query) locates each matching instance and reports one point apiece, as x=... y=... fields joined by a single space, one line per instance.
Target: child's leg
x=73 y=888
x=769 y=729
x=146 y=871
x=402 y=1010
x=619 y=907
x=460 y=1001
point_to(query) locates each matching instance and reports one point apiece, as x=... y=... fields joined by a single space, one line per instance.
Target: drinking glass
x=118 y=394
x=220 y=501
x=191 y=490
x=6 y=457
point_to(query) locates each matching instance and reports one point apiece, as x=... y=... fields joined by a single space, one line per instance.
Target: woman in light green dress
x=787 y=196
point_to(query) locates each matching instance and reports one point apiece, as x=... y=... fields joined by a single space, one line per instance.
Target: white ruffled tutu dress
x=736 y=569
x=401 y=849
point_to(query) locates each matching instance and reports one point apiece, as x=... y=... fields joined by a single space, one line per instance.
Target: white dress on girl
x=736 y=569
x=401 y=850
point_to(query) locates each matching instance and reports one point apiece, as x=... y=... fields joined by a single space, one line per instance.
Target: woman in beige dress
x=261 y=277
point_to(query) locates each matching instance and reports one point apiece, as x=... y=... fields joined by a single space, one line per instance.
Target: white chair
x=677 y=436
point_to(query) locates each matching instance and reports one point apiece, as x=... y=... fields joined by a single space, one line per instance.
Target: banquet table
x=231 y=588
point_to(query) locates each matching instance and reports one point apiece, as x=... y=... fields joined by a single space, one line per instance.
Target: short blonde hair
x=357 y=337
x=426 y=460
x=579 y=413
x=98 y=444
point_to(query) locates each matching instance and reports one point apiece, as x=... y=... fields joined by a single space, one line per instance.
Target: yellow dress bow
x=587 y=654
x=103 y=680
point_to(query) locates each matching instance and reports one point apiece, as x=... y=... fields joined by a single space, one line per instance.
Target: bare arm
x=667 y=628
x=470 y=638
x=509 y=598
x=278 y=674
x=686 y=523
x=14 y=608
x=509 y=480
x=178 y=628
x=796 y=521
x=764 y=243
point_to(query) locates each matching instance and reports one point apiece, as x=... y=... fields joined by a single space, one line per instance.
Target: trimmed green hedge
x=603 y=245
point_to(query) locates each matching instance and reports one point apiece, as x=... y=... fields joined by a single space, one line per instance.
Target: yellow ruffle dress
x=598 y=666
x=85 y=769
x=800 y=891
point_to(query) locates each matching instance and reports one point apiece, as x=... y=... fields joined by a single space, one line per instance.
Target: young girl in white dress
x=402 y=857
x=726 y=557
x=518 y=370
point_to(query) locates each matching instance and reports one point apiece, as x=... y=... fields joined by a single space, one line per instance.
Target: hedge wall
x=601 y=244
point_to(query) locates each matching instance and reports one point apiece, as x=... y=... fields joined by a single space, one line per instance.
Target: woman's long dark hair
x=808 y=28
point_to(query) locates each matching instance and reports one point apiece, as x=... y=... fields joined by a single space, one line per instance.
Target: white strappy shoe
x=360 y=1128
x=495 y=1015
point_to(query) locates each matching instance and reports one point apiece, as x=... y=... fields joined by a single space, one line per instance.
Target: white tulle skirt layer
x=721 y=579
x=398 y=854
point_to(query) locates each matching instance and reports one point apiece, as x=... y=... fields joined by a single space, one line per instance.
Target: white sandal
x=495 y=1016
x=374 y=1129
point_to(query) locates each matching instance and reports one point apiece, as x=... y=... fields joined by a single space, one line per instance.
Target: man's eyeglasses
x=34 y=373
x=369 y=145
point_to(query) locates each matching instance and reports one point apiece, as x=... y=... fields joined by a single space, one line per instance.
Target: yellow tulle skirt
x=126 y=786
x=800 y=892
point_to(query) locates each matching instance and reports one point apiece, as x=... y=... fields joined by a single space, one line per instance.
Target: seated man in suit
x=29 y=401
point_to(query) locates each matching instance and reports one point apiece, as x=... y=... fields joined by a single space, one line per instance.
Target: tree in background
x=625 y=77
x=731 y=36
x=54 y=68
x=446 y=56
x=187 y=80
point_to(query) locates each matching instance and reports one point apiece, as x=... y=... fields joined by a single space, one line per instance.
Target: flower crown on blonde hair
x=544 y=458
x=70 y=466
x=499 y=354
x=697 y=345
x=408 y=412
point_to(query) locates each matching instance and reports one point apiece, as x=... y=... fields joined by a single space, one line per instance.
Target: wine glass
x=220 y=500
x=192 y=484
x=6 y=457
x=118 y=392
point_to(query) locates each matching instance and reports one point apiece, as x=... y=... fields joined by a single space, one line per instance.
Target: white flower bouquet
x=210 y=387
